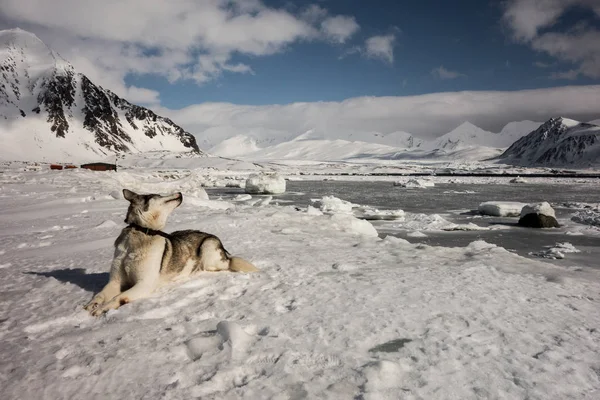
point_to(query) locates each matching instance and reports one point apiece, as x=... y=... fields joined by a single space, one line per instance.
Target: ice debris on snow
x=242 y=197
x=351 y=224
x=433 y=222
x=415 y=184
x=518 y=179
x=310 y=210
x=373 y=214
x=557 y=251
x=189 y=185
x=501 y=208
x=212 y=204
x=581 y=206
x=198 y=193
x=416 y=234
x=587 y=217
x=265 y=184
x=333 y=205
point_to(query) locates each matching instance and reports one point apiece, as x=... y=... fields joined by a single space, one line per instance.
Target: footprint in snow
x=286 y=307
x=200 y=345
x=311 y=360
x=229 y=337
x=37 y=245
x=383 y=377
x=232 y=293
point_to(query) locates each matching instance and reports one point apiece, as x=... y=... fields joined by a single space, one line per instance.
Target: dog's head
x=150 y=210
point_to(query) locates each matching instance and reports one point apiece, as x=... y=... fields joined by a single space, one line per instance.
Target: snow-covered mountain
x=49 y=111
x=595 y=122
x=467 y=142
x=262 y=137
x=321 y=150
x=398 y=139
x=468 y=135
x=558 y=142
x=463 y=136
x=402 y=139
x=514 y=131
x=311 y=134
x=234 y=147
x=217 y=139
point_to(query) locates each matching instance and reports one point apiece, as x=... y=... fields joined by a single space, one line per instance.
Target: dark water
x=455 y=202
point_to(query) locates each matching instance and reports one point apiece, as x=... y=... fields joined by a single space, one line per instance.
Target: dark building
x=100 y=166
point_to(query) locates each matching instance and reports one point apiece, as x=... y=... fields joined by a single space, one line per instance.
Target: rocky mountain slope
x=49 y=111
x=558 y=142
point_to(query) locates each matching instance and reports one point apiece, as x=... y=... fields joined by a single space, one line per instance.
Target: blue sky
x=470 y=39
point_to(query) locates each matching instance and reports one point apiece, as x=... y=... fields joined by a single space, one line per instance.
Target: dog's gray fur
x=145 y=257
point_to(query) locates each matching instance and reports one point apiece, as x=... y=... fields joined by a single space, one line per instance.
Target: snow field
x=335 y=312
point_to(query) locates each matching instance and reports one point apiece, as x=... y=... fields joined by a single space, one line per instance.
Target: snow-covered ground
x=336 y=311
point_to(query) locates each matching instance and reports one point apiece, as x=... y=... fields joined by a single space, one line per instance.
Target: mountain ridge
x=66 y=115
x=558 y=142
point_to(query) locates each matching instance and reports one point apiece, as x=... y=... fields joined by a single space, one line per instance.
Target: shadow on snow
x=91 y=282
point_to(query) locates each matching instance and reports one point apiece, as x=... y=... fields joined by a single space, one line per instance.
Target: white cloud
x=531 y=21
x=339 y=28
x=314 y=13
x=144 y=96
x=443 y=73
x=426 y=115
x=381 y=47
x=579 y=46
x=527 y=17
x=183 y=39
x=247 y=27
x=209 y=67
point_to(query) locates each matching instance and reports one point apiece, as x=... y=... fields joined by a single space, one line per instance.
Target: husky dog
x=145 y=257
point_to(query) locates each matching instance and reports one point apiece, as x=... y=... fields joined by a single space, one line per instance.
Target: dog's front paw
x=93 y=305
x=97 y=311
x=111 y=305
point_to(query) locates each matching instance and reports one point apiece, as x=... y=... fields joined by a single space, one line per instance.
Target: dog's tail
x=237 y=264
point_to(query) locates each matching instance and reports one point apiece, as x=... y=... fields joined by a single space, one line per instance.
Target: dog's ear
x=129 y=195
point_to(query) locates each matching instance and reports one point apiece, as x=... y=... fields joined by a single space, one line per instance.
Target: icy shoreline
x=334 y=313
